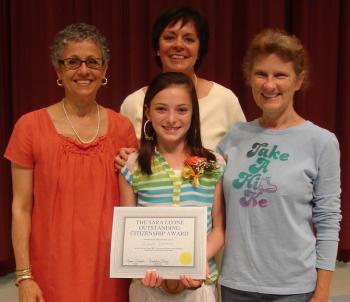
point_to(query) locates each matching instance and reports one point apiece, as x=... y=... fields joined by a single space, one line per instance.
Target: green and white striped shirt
x=166 y=186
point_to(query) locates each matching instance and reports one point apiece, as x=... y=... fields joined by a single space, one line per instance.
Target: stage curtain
x=28 y=81
x=6 y=122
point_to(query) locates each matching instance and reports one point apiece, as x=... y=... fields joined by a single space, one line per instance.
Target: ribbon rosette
x=195 y=167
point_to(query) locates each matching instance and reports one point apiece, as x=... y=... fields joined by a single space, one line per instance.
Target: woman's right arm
x=22 y=203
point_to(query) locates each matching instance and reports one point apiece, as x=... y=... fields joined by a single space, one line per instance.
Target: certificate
x=171 y=240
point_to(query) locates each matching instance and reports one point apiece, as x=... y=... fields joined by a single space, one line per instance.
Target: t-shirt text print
x=255 y=181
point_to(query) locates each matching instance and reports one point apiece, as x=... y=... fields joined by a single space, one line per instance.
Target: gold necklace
x=75 y=131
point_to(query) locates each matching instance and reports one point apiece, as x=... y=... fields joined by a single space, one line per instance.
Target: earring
x=104 y=81
x=59 y=82
x=158 y=53
x=148 y=137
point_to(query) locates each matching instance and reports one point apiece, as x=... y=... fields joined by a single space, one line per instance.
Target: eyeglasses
x=75 y=63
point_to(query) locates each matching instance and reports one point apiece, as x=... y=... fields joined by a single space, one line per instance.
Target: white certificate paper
x=159 y=241
x=170 y=239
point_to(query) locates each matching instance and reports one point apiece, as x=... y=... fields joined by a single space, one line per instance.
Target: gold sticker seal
x=185 y=258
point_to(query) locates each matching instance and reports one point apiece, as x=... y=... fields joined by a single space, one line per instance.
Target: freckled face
x=82 y=82
x=171 y=113
x=274 y=83
x=179 y=47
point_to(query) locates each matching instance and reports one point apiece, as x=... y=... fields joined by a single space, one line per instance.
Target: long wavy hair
x=193 y=138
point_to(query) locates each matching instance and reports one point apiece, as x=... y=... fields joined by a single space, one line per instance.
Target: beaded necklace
x=76 y=132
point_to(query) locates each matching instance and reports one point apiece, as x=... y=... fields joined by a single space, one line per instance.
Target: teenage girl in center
x=154 y=176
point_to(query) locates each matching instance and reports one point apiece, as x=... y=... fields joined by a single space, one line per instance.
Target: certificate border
x=197 y=271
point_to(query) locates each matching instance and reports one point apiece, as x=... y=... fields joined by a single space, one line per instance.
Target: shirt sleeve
x=223 y=145
x=127 y=175
x=128 y=170
x=326 y=214
x=20 y=147
x=235 y=110
x=221 y=165
x=124 y=107
x=132 y=108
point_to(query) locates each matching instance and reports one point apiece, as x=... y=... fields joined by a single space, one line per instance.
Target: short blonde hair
x=276 y=41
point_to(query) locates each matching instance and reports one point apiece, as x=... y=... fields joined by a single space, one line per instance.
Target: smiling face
x=274 y=82
x=179 y=47
x=81 y=83
x=170 y=113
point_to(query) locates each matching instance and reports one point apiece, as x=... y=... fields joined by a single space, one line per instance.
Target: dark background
x=28 y=81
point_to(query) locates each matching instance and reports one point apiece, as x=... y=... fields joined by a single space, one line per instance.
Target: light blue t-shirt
x=282 y=194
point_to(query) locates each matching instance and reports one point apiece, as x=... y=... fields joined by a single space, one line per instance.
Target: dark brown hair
x=194 y=142
x=184 y=14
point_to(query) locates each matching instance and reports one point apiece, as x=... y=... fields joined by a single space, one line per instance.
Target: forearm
x=21 y=228
x=29 y=290
x=216 y=237
x=215 y=241
x=324 y=278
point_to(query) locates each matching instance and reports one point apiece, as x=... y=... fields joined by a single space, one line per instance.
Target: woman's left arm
x=324 y=278
x=326 y=216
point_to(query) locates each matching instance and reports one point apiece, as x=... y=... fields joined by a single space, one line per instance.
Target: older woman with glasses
x=64 y=185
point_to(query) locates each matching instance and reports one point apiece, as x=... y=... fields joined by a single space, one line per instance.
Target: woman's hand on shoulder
x=29 y=291
x=121 y=159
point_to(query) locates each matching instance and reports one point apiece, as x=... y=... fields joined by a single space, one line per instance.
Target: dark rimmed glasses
x=75 y=63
